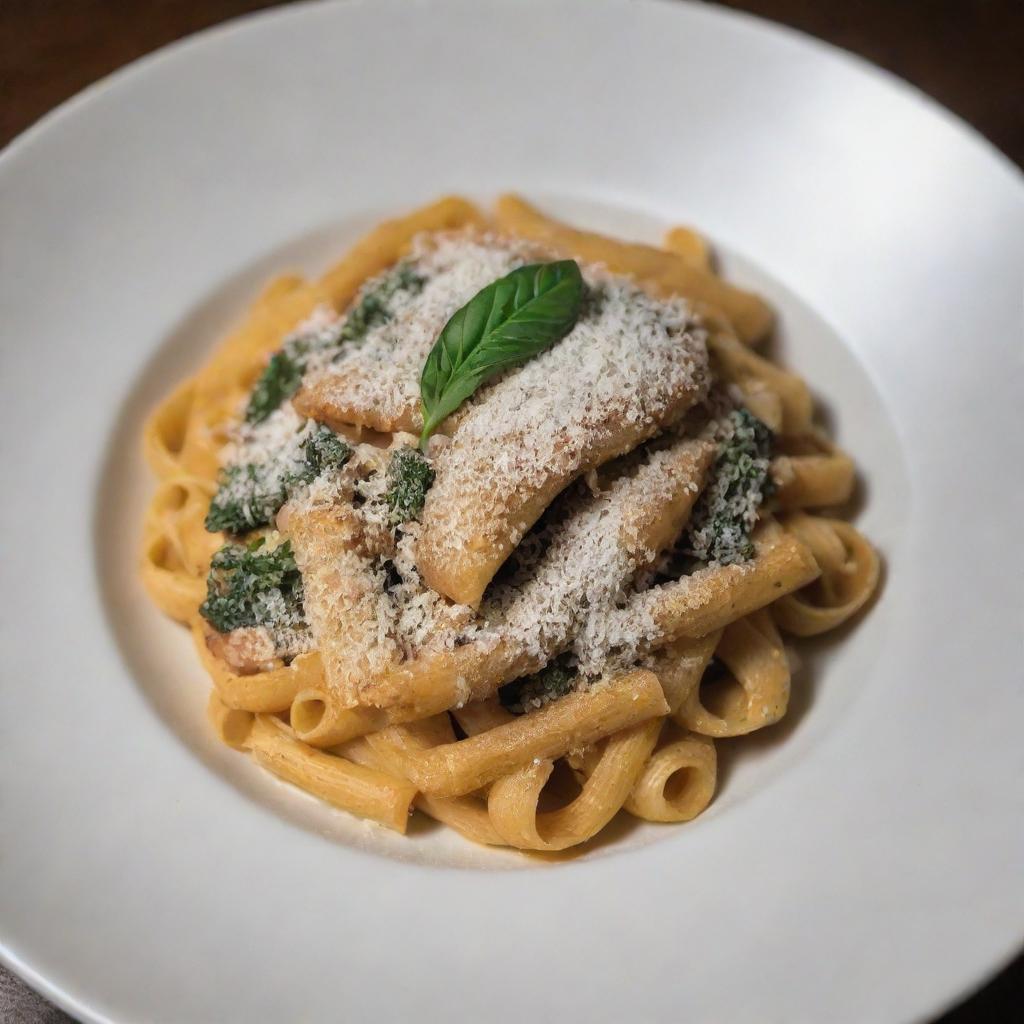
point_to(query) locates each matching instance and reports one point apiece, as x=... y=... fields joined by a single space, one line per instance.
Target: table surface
x=964 y=53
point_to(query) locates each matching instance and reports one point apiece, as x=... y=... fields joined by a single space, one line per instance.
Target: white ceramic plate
x=861 y=863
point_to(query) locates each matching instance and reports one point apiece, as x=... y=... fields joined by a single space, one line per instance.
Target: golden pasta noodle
x=270 y=690
x=388 y=242
x=519 y=613
x=680 y=665
x=813 y=481
x=513 y=801
x=389 y=750
x=367 y=792
x=166 y=429
x=677 y=782
x=576 y=720
x=691 y=246
x=755 y=376
x=755 y=691
x=711 y=598
x=665 y=272
x=850 y=571
x=232 y=726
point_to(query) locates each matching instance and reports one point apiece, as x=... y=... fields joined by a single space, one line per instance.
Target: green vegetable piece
x=409 y=478
x=249 y=586
x=283 y=374
x=551 y=682
x=279 y=380
x=246 y=500
x=242 y=503
x=324 y=450
x=508 y=322
x=374 y=308
x=726 y=512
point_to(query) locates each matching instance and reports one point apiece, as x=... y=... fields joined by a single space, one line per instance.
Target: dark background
x=967 y=54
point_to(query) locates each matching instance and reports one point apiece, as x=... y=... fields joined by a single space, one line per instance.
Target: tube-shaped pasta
x=318 y=719
x=757 y=692
x=389 y=751
x=690 y=245
x=268 y=691
x=666 y=273
x=481 y=715
x=233 y=727
x=342 y=596
x=575 y=720
x=680 y=665
x=595 y=395
x=363 y=791
x=849 y=576
x=176 y=548
x=389 y=241
x=755 y=375
x=678 y=781
x=812 y=481
x=512 y=801
x=164 y=435
x=711 y=598
x=175 y=590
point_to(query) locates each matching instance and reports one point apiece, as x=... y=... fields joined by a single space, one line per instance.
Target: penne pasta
x=754 y=694
x=388 y=751
x=594 y=396
x=691 y=246
x=711 y=598
x=232 y=726
x=664 y=272
x=812 y=481
x=341 y=597
x=390 y=241
x=363 y=791
x=850 y=571
x=270 y=690
x=569 y=591
x=576 y=720
x=512 y=801
x=680 y=665
x=756 y=376
x=677 y=782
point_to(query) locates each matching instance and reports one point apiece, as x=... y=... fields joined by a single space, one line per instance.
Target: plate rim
x=24 y=140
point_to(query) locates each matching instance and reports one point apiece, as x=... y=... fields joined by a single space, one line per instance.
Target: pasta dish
x=500 y=521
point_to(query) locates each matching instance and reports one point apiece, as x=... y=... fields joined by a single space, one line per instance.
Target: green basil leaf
x=508 y=322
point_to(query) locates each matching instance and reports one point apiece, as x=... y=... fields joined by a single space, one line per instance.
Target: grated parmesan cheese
x=631 y=366
x=377 y=378
x=572 y=587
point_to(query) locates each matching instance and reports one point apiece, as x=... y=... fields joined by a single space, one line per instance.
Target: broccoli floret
x=251 y=586
x=374 y=308
x=242 y=503
x=283 y=374
x=551 y=682
x=409 y=478
x=324 y=450
x=278 y=381
x=726 y=513
x=249 y=497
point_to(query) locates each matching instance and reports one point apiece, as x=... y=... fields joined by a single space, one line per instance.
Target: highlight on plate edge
x=500 y=521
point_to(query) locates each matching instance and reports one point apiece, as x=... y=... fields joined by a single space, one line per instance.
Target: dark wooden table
x=965 y=53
